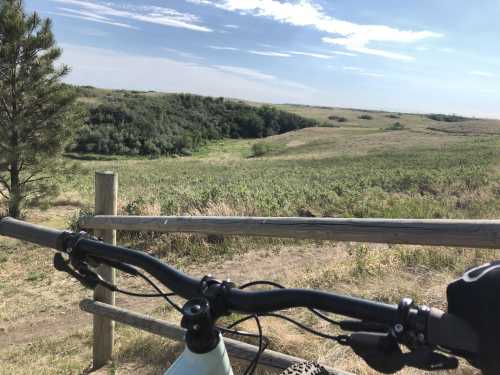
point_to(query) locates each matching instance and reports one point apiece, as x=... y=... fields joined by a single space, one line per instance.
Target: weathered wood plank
x=235 y=348
x=106 y=197
x=464 y=233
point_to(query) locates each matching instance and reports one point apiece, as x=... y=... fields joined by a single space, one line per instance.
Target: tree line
x=133 y=123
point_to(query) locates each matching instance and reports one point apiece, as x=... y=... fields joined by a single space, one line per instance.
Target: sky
x=438 y=56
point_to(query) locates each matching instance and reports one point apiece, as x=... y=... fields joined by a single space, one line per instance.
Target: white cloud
x=222 y=48
x=269 y=53
x=93 y=19
x=354 y=37
x=251 y=73
x=111 y=69
x=360 y=48
x=343 y=53
x=107 y=12
x=362 y=71
x=370 y=74
x=481 y=73
x=187 y=55
x=353 y=68
x=232 y=26
x=309 y=54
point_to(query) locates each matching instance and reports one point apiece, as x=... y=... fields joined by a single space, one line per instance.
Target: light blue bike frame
x=215 y=362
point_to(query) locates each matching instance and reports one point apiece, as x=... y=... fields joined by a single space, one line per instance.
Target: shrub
x=260 y=149
x=392 y=115
x=365 y=117
x=446 y=118
x=337 y=118
x=395 y=126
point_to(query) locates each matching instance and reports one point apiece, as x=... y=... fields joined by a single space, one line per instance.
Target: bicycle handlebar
x=442 y=329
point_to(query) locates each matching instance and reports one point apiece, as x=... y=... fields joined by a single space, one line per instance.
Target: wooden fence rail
x=235 y=348
x=463 y=233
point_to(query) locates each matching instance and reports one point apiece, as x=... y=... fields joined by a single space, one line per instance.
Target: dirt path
x=254 y=265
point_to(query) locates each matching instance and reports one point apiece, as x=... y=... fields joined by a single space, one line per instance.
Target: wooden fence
x=461 y=233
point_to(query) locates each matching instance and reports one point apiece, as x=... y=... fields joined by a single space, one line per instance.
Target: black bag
x=475 y=298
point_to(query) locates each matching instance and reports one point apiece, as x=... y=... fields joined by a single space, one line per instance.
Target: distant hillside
x=148 y=123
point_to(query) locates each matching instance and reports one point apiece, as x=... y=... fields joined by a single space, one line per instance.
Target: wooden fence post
x=106 y=197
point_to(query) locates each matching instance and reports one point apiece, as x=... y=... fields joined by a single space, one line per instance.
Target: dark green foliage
x=365 y=117
x=34 y=107
x=446 y=118
x=395 y=126
x=260 y=149
x=337 y=118
x=127 y=123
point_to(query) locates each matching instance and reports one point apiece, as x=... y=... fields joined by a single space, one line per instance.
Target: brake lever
x=63 y=266
x=382 y=353
x=84 y=275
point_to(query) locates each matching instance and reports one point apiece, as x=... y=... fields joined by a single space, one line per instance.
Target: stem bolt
x=399 y=328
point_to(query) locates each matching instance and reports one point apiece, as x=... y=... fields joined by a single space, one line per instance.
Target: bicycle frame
x=215 y=362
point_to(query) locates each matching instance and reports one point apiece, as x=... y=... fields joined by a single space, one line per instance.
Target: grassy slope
x=355 y=170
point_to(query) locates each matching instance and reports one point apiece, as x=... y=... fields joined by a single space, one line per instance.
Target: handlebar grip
x=451 y=332
x=30 y=232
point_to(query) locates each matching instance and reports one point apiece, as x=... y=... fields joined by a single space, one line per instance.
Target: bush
x=446 y=118
x=175 y=124
x=260 y=149
x=395 y=126
x=337 y=118
x=392 y=115
x=365 y=117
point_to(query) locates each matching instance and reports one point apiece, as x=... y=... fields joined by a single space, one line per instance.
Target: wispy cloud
x=269 y=53
x=370 y=74
x=353 y=68
x=106 y=12
x=111 y=69
x=341 y=53
x=222 y=48
x=362 y=71
x=305 y=13
x=361 y=48
x=186 y=55
x=481 y=73
x=273 y=53
x=309 y=54
x=92 y=19
x=231 y=26
x=251 y=73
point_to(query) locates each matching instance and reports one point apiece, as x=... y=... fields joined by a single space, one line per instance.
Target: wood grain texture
x=106 y=197
x=235 y=348
x=462 y=233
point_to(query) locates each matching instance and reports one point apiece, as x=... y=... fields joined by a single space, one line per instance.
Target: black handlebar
x=441 y=329
x=37 y=234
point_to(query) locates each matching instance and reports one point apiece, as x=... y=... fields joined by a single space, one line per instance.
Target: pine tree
x=36 y=108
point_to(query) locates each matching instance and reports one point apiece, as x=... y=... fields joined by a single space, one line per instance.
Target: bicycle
x=433 y=339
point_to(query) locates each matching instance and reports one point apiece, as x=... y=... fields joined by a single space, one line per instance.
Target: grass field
x=354 y=168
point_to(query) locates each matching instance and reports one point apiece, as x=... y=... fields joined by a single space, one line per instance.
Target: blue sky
x=421 y=56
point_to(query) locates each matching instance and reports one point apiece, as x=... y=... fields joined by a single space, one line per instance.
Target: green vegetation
x=365 y=117
x=337 y=118
x=260 y=149
x=133 y=123
x=35 y=116
x=453 y=181
x=447 y=118
x=396 y=126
